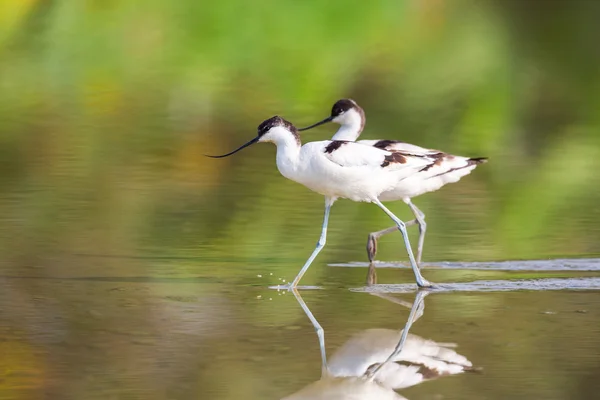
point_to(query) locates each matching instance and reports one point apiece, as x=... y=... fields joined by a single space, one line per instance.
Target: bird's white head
x=349 y=115
x=275 y=130
x=347 y=112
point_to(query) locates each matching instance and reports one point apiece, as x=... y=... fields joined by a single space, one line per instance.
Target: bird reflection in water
x=374 y=363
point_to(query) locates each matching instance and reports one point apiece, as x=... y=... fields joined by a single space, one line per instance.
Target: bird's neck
x=288 y=153
x=352 y=126
x=349 y=132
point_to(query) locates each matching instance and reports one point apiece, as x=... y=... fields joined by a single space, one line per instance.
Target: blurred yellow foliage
x=12 y=13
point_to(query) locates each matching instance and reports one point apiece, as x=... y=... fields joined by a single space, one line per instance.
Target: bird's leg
x=372 y=249
x=416 y=311
x=420 y=308
x=372 y=241
x=320 y=244
x=421 y=282
x=371 y=275
x=318 y=329
x=395 y=300
x=420 y=218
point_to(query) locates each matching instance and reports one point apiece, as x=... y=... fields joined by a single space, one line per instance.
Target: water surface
x=133 y=267
x=175 y=337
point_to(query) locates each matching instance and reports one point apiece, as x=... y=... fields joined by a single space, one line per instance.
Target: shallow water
x=579 y=264
x=190 y=337
x=133 y=267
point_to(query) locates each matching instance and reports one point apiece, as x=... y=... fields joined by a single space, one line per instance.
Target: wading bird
x=340 y=169
x=441 y=168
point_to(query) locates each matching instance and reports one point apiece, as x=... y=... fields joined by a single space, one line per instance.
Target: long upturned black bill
x=326 y=120
x=236 y=150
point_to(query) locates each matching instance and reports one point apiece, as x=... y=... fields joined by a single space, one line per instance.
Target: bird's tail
x=477 y=160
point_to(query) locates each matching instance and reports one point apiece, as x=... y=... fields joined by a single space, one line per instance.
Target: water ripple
x=493 y=286
x=575 y=264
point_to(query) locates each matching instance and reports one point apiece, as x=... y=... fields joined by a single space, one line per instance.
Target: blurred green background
x=107 y=107
x=106 y=110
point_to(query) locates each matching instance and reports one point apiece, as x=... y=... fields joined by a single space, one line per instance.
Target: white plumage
x=375 y=362
x=442 y=168
x=419 y=360
x=438 y=168
x=352 y=388
x=339 y=169
x=352 y=171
